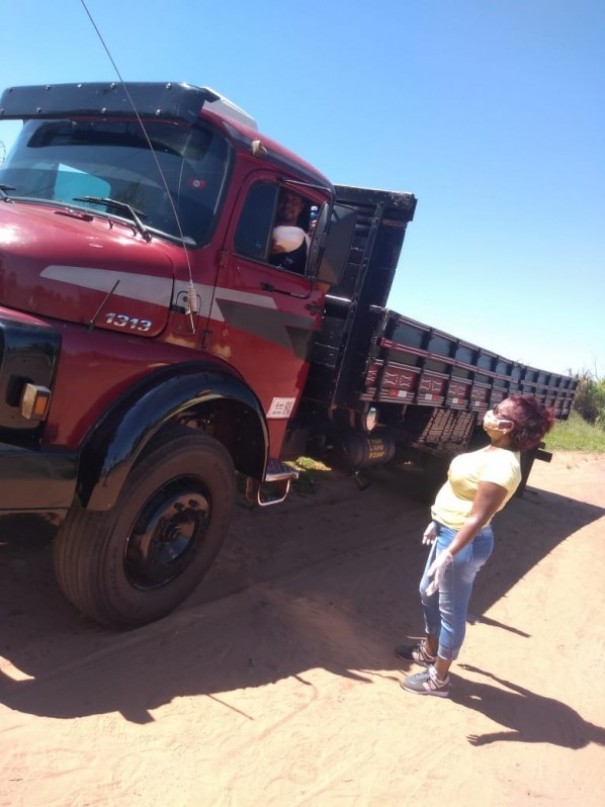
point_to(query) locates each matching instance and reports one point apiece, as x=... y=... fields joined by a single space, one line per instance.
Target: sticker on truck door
x=281 y=408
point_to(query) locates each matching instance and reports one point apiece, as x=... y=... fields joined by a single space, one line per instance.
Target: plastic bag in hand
x=437 y=570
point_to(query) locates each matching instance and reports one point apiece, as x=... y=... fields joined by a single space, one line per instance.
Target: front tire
x=136 y=562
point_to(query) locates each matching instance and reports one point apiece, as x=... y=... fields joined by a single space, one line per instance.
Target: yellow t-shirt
x=454 y=501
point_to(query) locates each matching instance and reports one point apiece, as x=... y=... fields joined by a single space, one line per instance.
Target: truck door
x=267 y=305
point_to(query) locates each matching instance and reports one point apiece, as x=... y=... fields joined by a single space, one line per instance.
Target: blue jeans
x=445 y=611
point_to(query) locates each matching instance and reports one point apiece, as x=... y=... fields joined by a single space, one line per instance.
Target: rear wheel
x=136 y=562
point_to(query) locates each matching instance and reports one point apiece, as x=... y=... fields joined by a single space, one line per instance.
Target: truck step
x=275 y=486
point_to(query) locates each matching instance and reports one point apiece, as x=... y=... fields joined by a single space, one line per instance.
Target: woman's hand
x=429 y=535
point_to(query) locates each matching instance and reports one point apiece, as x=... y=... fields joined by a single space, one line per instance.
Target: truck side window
x=275 y=226
x=256 y=220
x=290 y=237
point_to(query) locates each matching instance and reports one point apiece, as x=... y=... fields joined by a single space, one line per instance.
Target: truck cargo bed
x=414 y=363
x=366 y=353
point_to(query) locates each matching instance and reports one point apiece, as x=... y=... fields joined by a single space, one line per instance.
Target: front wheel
x=136 y=562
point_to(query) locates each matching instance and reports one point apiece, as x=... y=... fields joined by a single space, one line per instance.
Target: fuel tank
x=354 y=450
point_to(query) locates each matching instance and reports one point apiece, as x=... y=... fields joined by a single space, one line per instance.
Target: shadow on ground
x=526 y=716
x=326 y=580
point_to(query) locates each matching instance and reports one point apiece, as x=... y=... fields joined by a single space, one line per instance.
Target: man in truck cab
x=290 y=239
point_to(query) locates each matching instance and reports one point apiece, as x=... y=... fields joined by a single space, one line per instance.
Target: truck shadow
x=324 y=581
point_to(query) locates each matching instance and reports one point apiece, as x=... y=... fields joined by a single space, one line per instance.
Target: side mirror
x=331 y=244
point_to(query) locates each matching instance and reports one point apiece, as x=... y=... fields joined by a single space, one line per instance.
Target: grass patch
x=310 y=473
x=576 y=434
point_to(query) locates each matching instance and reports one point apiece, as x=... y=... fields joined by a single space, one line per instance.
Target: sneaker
x=418 y=652
x=427 y=683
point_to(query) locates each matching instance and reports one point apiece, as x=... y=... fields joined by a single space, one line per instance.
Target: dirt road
x=276 y=683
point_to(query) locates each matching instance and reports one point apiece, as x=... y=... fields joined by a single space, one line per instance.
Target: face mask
x=494 y=423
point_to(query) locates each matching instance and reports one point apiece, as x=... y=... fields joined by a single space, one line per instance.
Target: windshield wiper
x=135 y=215
x=5 y=189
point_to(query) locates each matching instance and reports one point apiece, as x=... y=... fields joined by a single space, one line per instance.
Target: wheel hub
x=168 y=530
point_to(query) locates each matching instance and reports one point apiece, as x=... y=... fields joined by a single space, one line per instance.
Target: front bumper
x=36 y=481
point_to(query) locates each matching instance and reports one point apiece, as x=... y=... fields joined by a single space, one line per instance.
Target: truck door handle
x=268 y=287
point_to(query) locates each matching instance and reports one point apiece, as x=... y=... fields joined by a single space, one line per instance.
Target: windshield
x=60 y=160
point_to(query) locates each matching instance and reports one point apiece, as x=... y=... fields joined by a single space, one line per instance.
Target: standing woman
x=479 y=485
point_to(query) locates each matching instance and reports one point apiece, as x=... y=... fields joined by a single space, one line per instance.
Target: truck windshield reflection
x=61 y=161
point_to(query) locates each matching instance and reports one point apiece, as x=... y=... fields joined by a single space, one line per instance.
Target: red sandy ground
x=276 y=683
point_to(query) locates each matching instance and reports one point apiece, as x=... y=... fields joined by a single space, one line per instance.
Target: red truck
x=157 y=338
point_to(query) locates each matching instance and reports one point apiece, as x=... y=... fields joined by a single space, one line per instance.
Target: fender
x=112 y=448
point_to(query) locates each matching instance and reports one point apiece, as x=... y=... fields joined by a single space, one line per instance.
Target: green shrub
x=589 y=400
x=575 y=434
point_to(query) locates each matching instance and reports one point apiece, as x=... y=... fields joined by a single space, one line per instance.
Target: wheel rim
x=168 y=531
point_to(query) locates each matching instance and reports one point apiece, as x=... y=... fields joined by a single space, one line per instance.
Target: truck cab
x=148 y=288
x=161 y=232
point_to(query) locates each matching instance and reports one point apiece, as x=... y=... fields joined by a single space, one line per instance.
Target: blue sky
x=492 y=112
